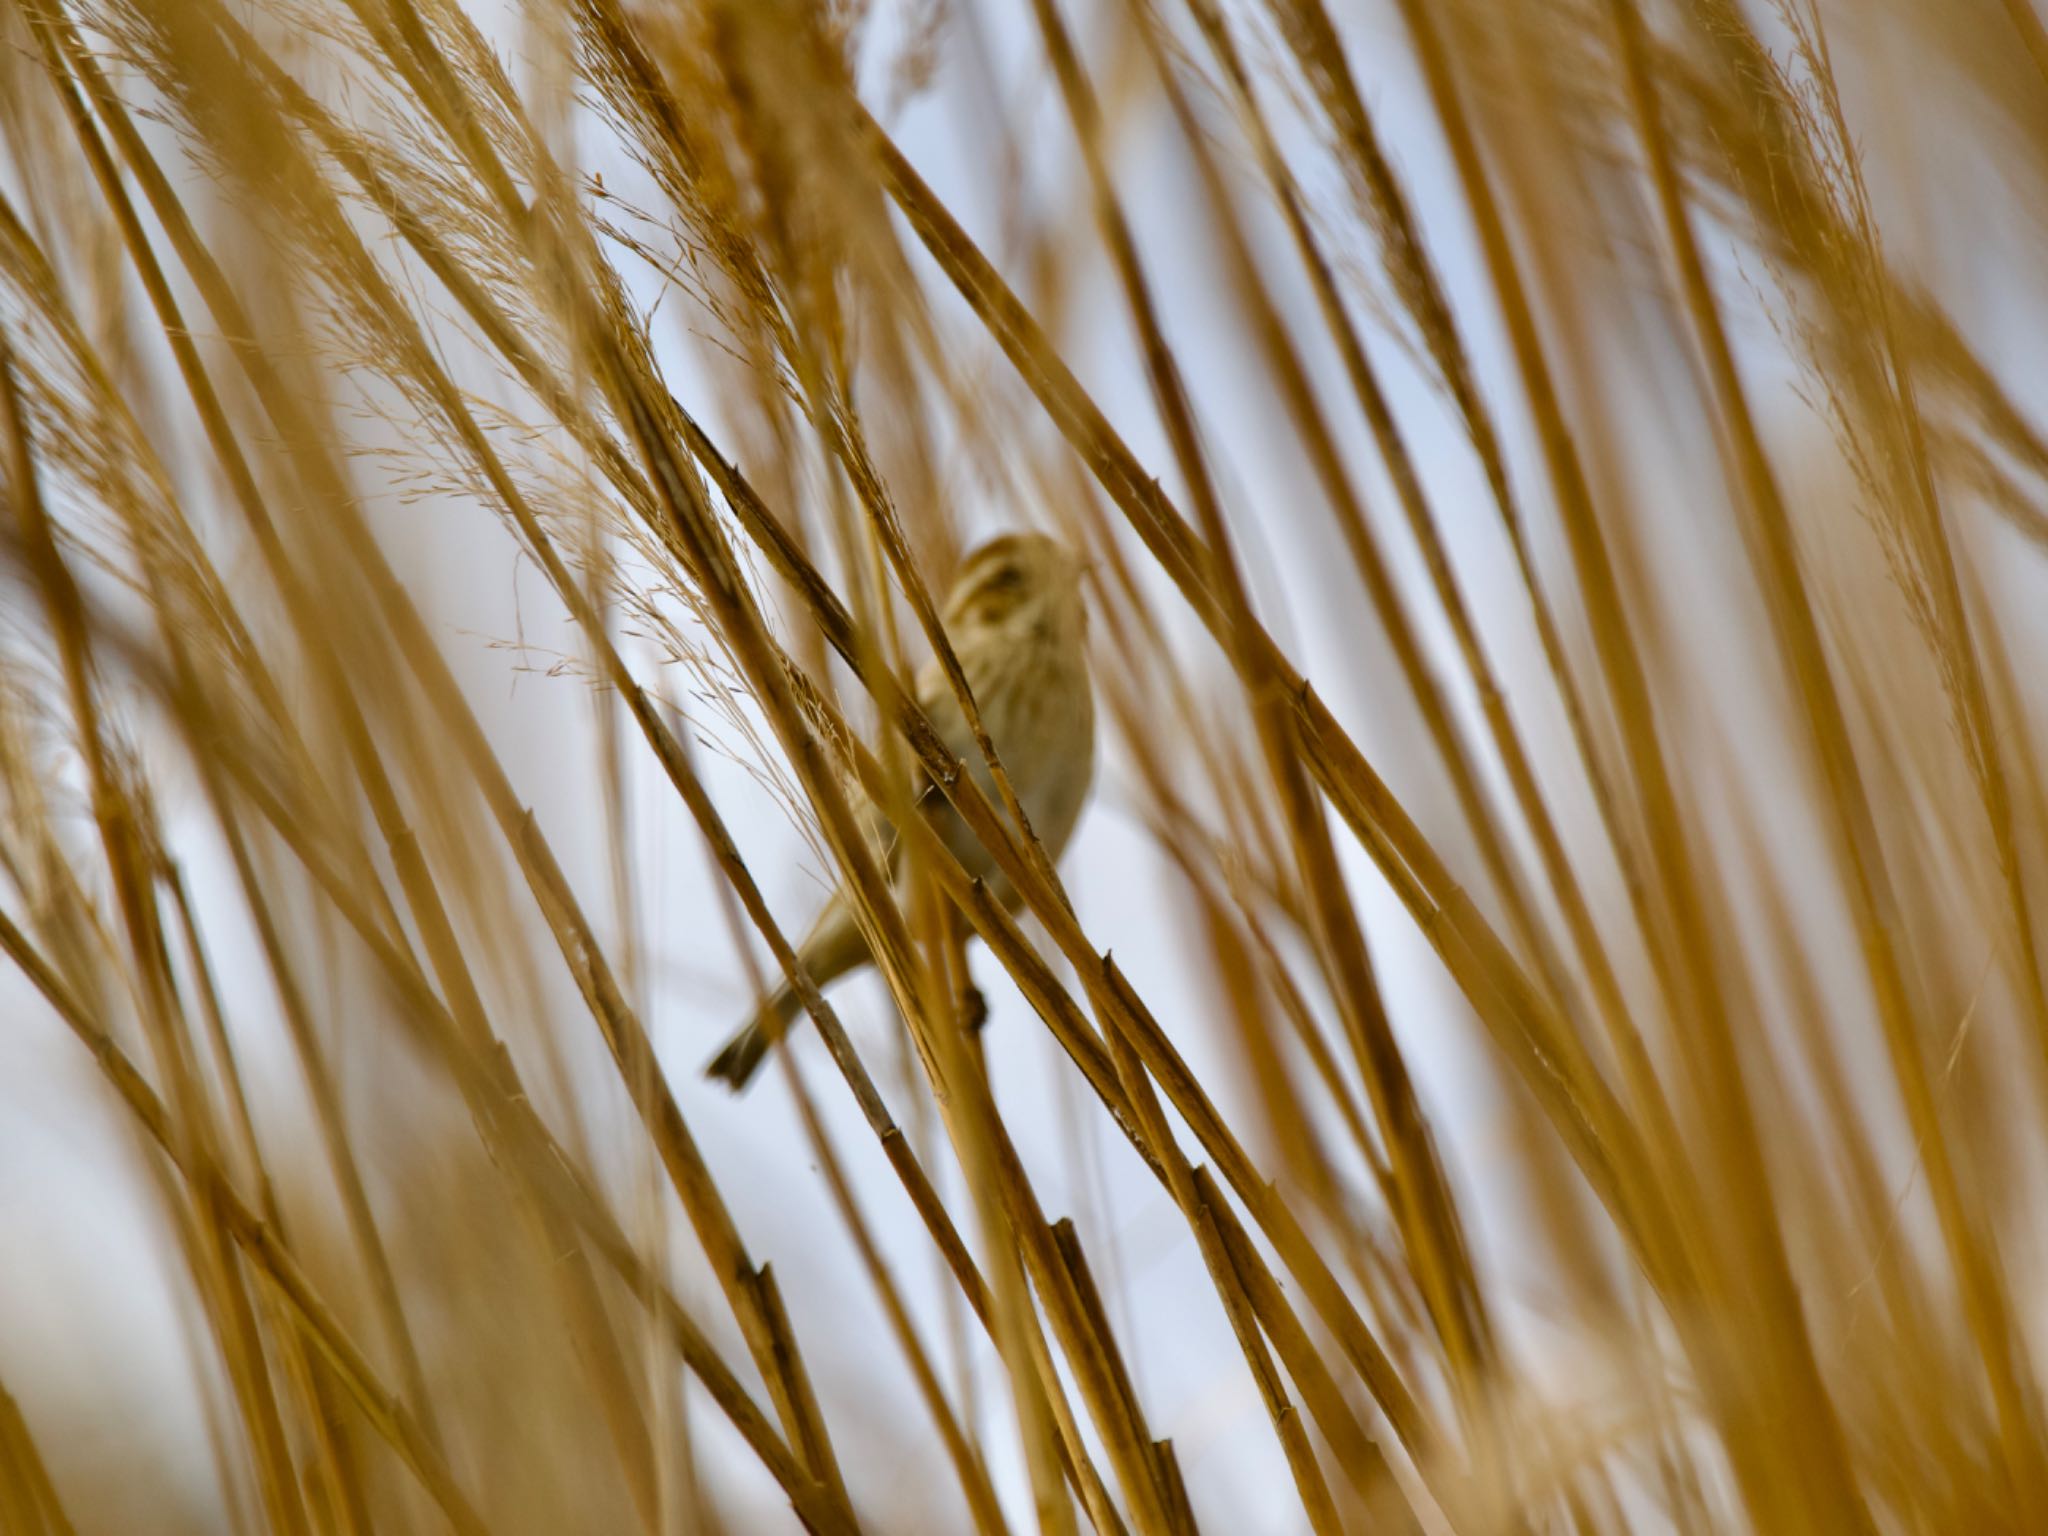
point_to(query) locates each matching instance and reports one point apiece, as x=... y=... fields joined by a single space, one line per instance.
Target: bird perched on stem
x=1017 y=623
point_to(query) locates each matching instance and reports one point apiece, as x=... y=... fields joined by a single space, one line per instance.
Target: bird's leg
x=973 y=1007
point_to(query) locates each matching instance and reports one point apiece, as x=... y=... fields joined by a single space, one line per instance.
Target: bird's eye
x=997 y=594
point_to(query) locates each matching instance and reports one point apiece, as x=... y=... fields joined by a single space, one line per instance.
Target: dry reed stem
x=1752 y=957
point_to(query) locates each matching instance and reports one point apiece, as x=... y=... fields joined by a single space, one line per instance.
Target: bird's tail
x=741 y=1056
x=833 y=947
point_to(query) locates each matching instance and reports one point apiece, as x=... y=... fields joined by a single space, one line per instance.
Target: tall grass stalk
x=1565 y=496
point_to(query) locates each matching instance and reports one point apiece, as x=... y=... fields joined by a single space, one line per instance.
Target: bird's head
x=1016 y=580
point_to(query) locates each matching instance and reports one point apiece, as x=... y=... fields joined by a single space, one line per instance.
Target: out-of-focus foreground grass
x=1660 y=405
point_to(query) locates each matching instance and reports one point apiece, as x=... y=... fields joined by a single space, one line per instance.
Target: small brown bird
x=1017 y=622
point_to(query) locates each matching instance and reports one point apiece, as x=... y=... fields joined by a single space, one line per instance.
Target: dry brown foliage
x=1622 y=609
